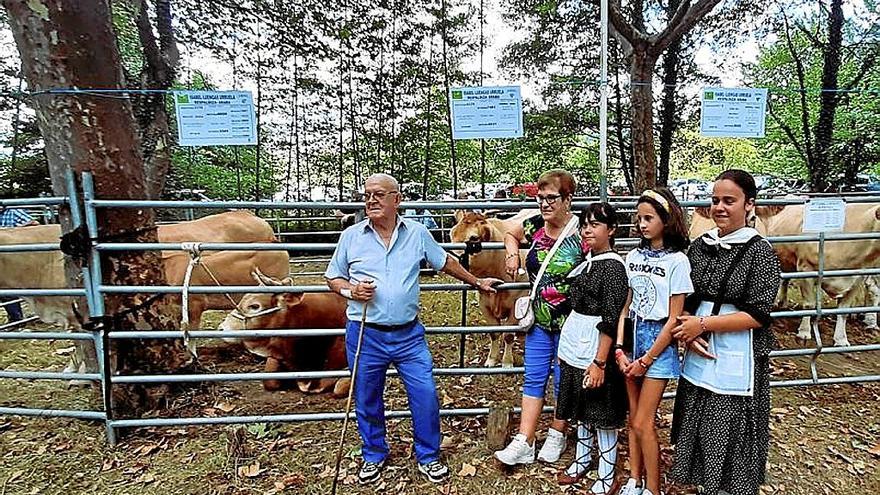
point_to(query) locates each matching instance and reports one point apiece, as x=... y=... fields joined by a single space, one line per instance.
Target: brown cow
x=497 y=308
x=46 y=269
x=293 y=310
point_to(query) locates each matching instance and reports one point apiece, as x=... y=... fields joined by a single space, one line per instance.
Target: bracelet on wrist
x=703 y=328
x=346 y=293
x=641 y=362
x=617 y=346
x=599 y=364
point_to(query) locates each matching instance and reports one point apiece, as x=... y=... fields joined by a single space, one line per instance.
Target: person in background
x=11 y=218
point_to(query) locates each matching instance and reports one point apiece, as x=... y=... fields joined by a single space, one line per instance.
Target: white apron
x=732 y=372
x=579 y=337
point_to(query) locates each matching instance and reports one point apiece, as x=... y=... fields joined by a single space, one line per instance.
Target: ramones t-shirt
x=654 y=276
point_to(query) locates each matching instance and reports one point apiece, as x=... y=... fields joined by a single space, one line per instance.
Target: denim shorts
x=667 y=365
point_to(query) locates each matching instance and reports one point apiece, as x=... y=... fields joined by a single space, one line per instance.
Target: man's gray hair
x=384 y=178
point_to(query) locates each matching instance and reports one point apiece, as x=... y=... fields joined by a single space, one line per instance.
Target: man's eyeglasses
x=549 y=199
x=378 y=195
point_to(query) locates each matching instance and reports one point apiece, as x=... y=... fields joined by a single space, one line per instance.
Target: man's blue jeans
x=408 y=351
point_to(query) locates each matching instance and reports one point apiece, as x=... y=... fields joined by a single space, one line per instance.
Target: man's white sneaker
x=553 y=446
x=631 y=488
x=517 y=452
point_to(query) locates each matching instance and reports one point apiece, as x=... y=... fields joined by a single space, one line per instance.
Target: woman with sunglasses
x=551 y=305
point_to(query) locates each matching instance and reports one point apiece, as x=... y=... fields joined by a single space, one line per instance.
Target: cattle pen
x=94 y=291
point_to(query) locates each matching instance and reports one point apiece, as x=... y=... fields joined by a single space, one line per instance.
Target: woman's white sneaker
x=553 y=446
x=517 y=452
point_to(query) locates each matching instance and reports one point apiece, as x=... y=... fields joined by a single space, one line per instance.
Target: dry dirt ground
x=824 y=439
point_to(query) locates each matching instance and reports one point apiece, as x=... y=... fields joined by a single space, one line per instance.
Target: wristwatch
x=346 y=293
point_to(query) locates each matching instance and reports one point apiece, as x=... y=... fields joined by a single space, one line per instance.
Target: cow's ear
x=459 y=214
x=289 y=299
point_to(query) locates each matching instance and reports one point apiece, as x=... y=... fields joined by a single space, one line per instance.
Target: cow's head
x=471 y=227
x=260 y=310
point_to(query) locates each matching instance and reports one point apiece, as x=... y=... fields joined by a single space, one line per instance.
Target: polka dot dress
x=599 y=292
x=721 y=441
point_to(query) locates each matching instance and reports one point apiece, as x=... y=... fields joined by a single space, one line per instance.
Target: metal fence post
x=466 y=263
x=814 y=367
x=96 y=310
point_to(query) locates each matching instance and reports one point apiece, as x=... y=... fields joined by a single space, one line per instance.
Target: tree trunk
x=150 y=111
x=824 y=130
x=643 y=120
x=448 y=104
x=669 y=121
x=626 y=163
x=57 y=43
x=428 y=91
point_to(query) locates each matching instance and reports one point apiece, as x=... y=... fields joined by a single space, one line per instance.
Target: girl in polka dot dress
x=720 y=424
x=659 y=279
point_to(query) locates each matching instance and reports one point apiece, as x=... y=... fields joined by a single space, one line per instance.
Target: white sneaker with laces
x=517 y=452
x=553 y=447
x=630 y=488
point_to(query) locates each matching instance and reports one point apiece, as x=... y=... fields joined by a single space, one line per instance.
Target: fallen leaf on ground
x=146 y=478
x=251 y=470
x=467 y=470
x=224 y=406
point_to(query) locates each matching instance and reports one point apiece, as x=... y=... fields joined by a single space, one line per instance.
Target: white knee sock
x=607 y=459
x=583 y=452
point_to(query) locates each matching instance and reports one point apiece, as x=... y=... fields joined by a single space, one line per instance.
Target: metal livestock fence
x=94 y=291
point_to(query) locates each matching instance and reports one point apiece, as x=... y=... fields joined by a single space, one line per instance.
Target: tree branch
x=805 y=110
x=621 y=27
x=788 y=132
x=867 y=64
x=685 y=18
x=813 y=37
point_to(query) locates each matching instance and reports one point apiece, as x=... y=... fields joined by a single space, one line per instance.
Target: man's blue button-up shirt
x=361 y=255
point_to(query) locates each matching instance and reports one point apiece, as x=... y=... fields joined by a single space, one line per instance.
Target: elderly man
x=376 y=266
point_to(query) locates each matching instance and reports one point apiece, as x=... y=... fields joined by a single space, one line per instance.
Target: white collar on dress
x=740 y=236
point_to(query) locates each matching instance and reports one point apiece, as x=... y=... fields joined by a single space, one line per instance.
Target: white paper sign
x=485 y=112
x=733 y=112
x=215 y=118
x=824 y=215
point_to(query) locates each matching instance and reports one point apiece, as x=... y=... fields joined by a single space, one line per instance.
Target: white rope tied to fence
x=195 y=253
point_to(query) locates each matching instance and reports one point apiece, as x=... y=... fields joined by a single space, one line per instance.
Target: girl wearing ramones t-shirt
x=659 y=279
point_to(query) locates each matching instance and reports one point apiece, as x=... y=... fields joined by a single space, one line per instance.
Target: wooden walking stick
x=354 y=368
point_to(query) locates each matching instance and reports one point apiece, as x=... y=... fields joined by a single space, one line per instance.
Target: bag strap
x=562 y=235
x=722 y=288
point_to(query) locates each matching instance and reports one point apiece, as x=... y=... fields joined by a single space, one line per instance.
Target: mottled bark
x=57 y=41
x=828 y=100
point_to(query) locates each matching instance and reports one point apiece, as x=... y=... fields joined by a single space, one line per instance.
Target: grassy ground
x=824 y=439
